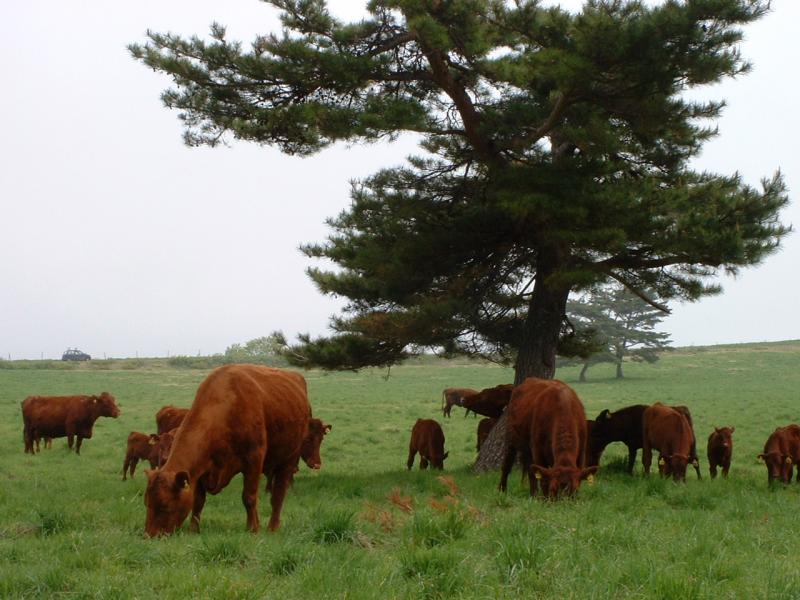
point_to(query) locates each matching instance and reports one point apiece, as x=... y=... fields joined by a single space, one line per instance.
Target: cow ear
x=181 y=480
x=788 y=460
x=733 y=429
x=604 y=414
x=446 y=454
x=588 y=473
x=716 y=430
x=762 y=457
x=696 y=463
x=537 y=472
x=328 y=428
x=153 y=439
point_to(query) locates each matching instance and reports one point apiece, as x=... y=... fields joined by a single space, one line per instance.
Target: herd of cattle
x=257 y=420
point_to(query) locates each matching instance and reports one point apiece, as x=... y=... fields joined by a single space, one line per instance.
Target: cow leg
x=125 y=465
x=250 y=494
x=78 y=445
x=197 y=507
x=631 y=458
x=134 y=462
x=725 y=466
x=647 y=458
x=423 y=464
x=280 y=485
x=27 y=436
x=411 y=454
x=508 y=464
x=712 y=469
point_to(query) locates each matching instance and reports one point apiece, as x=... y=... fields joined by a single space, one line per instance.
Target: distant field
x=364 y=527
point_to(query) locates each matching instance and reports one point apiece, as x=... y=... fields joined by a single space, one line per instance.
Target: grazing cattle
x=666 y=430
x=489 y=402
x=247 y=419
x=59 y=416
x=693 y=459
x=454 y=397
x=485 y=426
x=153 y=448
x=781 y=452
x=720 y=448
x=309 y=451
x=623 y=425
x=547 y=426
x=427 y=438
x=169 y=417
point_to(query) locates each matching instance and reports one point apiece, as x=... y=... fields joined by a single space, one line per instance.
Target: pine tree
x=625 y=323
x=556 y=156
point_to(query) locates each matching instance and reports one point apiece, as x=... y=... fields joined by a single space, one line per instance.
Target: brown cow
x=153 y=448
x=169 y=417
x=665 y=429
x=59 y=416
x=247 y=419
x=489 y=402
x=427 y=438
x=547 y=425
x=454 y=397
x=485 y=426
x=720 y=448
x=693 y=459
x=781 y=452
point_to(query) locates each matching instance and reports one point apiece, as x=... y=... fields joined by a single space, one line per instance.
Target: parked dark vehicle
x=75 y=354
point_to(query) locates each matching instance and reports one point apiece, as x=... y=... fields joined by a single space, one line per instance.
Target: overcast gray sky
x=118 y=239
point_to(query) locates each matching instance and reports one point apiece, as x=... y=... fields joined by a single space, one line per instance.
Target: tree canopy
x=555 y=155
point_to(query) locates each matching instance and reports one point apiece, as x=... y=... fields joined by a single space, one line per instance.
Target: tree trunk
x=585 y=368
x=537 y=352
x=619 y=370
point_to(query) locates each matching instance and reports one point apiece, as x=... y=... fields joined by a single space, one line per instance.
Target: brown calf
x=720 y=449
x=454 y=397
x=245 y=419
x=547 y=426
x=666 y=430
x=153 y=448
x=59 y=416
x=427 y=438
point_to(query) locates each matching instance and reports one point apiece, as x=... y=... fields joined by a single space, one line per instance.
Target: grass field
x=364 y=527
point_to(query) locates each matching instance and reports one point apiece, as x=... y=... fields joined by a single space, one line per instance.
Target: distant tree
x=267 y=350
x=624 y=322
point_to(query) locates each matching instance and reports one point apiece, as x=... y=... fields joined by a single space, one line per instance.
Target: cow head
x=724 y=436
x=106 y=405
x=675 y=465
x=556 y=481
x=437 y=461
x=169 y=498
x=309 y=451
x=779 y=466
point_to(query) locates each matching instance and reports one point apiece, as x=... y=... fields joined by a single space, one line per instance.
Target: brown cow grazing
x=666 y=430
x=169 y=417
x=141 y=447
x=547 y=425
x=485 y=426
x=427 y=438
x=623 y=425
x=720 y=448
x=59 y=416
x=781 y=452
x=309 y=451
x=489 y=402
x=693 y=459
x=245 y=419
x=454 y=397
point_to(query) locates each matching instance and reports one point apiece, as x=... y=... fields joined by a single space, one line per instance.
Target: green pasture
x=364 y=527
